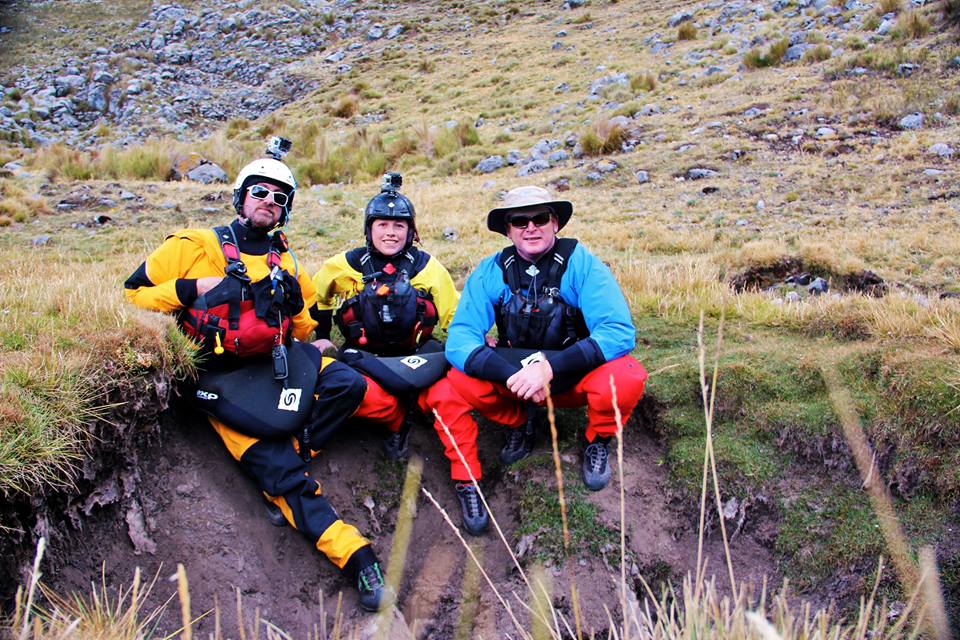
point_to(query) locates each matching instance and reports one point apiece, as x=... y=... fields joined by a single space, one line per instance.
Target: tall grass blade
x=401 y=540
x=31 y=589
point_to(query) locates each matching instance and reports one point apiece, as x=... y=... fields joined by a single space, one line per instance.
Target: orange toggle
x=383 y=290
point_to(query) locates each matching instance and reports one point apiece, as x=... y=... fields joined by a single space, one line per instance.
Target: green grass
x=539 y=511
x=824 y=532
x=63 y=353
x=758 y=58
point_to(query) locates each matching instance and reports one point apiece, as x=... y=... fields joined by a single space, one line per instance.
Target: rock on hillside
x=179 y=71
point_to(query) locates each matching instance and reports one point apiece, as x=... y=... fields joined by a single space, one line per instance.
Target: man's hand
x=491 y=341
x=531 y=382
x=324 y=345
x=205 y=284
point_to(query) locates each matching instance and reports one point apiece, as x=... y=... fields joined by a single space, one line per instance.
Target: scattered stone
x=532 y=167
x=933 y=172
x=886 y=26
x=65 y=85
x=941 y=149
x=563 y=87
x=795 y=52
x=450 y=234
x=677 y=18
x=606 y=166
x=394 y=31
x=642 y=176
x=336 y=56
x=513 y=157
x=818 y=286
x=912 y=121
x=137 y=530
x=490 y=164
x=907 y=68
x=826 y=132
x=375 y=32
x=560 y=184
x=207 y=173
x=650 y=109
x=557 y=156
x=606 y=81
x=40 y=241
x=79 y=197
x=699 y=173
x=792 y=296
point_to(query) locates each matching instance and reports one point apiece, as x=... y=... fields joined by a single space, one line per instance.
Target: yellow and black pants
x=284 y=478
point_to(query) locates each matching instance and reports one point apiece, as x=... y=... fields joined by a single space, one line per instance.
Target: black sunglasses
x=260 y=192
x=521 y=222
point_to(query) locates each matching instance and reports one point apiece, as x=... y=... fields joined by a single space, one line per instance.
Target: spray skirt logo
x=289 y=400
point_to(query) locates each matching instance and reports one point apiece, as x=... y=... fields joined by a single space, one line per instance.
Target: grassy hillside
x=809 y=168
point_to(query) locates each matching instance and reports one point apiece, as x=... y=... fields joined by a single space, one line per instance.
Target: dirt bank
x=192 y=505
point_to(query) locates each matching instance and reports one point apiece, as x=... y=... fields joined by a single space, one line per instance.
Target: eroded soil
x=199 y=510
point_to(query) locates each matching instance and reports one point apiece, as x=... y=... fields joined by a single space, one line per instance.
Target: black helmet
x=390 y=204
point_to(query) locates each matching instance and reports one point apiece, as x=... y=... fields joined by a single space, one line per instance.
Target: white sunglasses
x=260 y=192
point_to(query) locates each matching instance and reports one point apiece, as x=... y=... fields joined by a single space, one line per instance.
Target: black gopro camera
x=391 y=181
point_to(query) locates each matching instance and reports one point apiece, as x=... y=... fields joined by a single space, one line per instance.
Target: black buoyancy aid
x=389 y=316
x=243 y=318
x=535 y=316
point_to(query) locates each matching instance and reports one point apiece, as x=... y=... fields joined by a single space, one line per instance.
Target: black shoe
x=475 y=518
x=371 y=586
x=275 y=515
x=596 y=464
x=519 y=443
x=395 y=446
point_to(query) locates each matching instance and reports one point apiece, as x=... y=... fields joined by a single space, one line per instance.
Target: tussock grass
x=152 y=160
x=951 y=12
x=16 y=205
x=758 y=58
x=346 y=106
x=643 y=82
x=61 y=351
x=686 y=31
x=819 y=53
x=912 y=25
x=889 y=6
x=602 y=137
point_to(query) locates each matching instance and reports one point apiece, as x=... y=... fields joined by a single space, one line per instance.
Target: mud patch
x=762 y=277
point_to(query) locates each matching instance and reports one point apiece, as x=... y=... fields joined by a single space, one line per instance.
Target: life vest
x=389 y=316
x=537 y=317
x=241 y=318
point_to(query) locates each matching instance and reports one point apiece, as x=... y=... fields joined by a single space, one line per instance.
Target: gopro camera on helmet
x=391 y=181
x=278 y=146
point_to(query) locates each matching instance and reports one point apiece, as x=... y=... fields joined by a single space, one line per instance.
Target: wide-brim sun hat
x=523 y=197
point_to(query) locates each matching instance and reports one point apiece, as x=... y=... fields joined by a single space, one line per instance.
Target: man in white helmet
x=237 y=290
